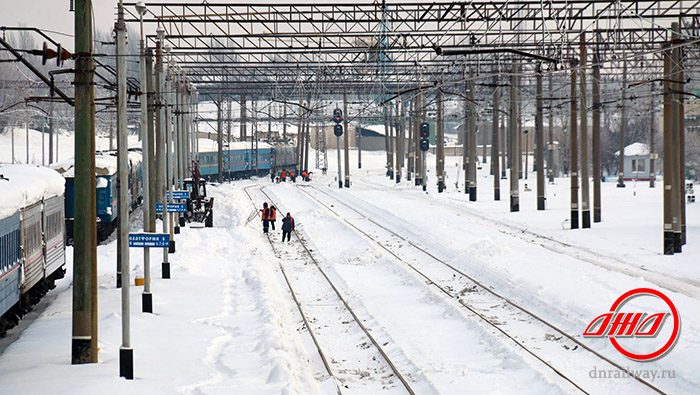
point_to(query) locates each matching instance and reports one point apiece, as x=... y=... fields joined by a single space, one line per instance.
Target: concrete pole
x=51 y=132
x=417 y=153
x=159 y=155
x=244 y=118
x=410 y=149
x=550 y=125
x=399 y=136
x=573 y=141
x=440 y=144
x=677 y=114
x=513 y=139
x=146 y=297
x=340 y=166
x=12 y=138
x=596 y=140
x=539 y=141
x=495 y=140
x=307 y=143
x=346 y=140
x=392 y=123
x=652 y=137
x=623 y=126
x=387 y=148
x=464 y=137
x=680 y=111
x=300 y=136
x=126 y=352
x=471 y=138
x=585 y=181
x=669 y=179
x=219 y=140
x=284 y=122
x=359 y=146
x=26 y=147
x=84 y=329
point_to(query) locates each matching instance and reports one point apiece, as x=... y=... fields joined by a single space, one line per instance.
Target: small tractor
x=199 y=206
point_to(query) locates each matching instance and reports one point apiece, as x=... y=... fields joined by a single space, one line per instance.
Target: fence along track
x=381 y=351
x=481 y=286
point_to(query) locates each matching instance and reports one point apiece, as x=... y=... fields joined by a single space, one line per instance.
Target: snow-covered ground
x=227 y=323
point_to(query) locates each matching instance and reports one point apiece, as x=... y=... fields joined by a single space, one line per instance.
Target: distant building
x=636 y=166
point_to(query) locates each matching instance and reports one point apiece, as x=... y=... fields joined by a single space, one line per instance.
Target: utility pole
x=585 y=183
x=471 y=138
x=550 y=126
x=126 y=353
x=399 y=141
x=652 y=137
x=539 y=141
x=307 y=141
x=623 y=125
x=440 y=144
x=464 y=137
x=300 y=136
x=146 y=297
x=495 y=141
x=244 y=118
x=513 y=140
x=410 y=149
x=387 y=147
x=84 y=329
x=573 y=141
x=418 y=154
x=284 y=122
x=51 y=132
x=596 y=139
x=219 y=140
x=346 y=140
x=392 y=124
x=671 y=219
x=679 y=137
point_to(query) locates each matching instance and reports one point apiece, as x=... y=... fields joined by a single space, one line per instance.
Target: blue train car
x=106 y=190
x=32 y=234
x=10 y=260
x=238 y=160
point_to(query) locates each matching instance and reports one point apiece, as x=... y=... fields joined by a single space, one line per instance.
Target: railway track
x=529 y=331
x=370 y=360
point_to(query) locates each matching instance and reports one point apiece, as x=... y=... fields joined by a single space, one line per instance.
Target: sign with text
x=172 y=207
x=178 y=195
x=146 y=240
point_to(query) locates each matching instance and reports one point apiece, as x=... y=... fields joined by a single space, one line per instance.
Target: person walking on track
x=273 y=216
x=265 y=217
x=287 y=227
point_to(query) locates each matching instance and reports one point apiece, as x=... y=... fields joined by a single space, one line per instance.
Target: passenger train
x=32 y=238
x=238 y=159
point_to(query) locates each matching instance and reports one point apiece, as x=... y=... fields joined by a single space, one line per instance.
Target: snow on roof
x=207 y=145
x=376 y=128
x=635 y=149
x=105 y=165
x=26 y=185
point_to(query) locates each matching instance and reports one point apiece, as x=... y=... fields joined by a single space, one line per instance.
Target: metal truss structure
x=282 y=49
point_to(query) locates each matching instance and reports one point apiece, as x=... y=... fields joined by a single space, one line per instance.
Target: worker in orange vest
x=272 y=217
x=265 y=217
x=305 y=175
x=283 y=175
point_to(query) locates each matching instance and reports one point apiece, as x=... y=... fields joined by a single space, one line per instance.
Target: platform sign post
x=149 y=240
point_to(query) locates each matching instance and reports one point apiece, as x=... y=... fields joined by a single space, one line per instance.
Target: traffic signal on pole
x=338 y=130
x=424 y=135
x=338 y=116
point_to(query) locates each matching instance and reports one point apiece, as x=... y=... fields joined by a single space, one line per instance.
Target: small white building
x=636 y=166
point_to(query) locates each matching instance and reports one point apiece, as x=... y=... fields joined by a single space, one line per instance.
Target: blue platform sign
x=144 y=240
x=172 y=207
x=178 y=195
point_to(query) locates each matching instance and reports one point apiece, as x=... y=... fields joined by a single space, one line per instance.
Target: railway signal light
x=338 y=130
x=338 y=118
x=424 y=135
